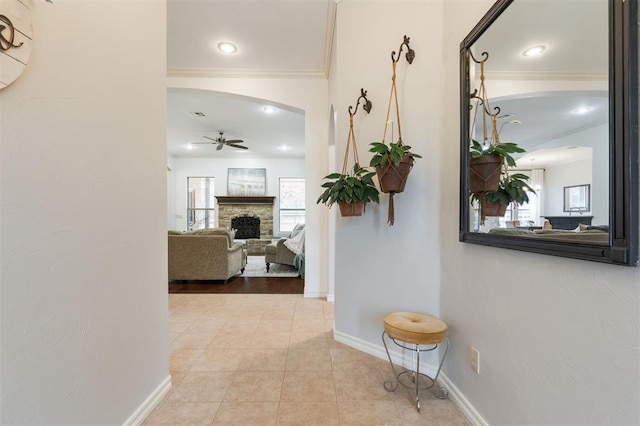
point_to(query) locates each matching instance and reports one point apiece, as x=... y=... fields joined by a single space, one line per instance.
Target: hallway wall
x=83 y=216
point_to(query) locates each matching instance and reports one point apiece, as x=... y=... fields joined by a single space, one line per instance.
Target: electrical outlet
x=475 y=360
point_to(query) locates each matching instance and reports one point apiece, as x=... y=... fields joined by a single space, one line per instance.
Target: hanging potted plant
x=488 y=158
x=512 y=188
x=350 y=191
x=394 y=161
x=486 y=164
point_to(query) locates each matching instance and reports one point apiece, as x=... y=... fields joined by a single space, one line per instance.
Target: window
x=200 y=203
x=521 y=213
x=291 y=203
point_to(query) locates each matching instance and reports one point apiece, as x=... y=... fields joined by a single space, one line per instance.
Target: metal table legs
x=415 y=375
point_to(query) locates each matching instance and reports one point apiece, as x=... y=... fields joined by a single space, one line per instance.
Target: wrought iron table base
x=416 y=376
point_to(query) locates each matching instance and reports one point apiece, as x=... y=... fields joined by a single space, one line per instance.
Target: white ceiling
x=575 y=37
x=275 y=38
x=291 y=38
x=574 y=33
x=267 y=135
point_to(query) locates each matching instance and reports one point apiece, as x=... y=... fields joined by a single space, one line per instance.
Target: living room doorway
x=267 y=136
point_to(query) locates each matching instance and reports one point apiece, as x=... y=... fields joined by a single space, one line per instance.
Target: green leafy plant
x=513 y=188
x=353 y=187
x=505 y=149
x=391 y=153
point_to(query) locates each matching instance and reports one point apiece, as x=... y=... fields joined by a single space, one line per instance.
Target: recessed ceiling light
x=534 y=51
x=190 y=147
x=227 y=47
x=283 y=148
x=269 y=109
x=582 y=110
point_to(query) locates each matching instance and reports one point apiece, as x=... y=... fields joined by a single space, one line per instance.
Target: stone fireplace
x=230 y=207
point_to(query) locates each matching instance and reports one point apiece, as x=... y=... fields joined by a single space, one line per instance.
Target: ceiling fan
x=221 y=141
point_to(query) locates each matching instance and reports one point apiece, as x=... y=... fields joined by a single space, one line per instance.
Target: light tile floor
x=256 y=359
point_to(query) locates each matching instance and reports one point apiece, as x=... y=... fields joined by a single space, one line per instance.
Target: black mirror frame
x=624 y=234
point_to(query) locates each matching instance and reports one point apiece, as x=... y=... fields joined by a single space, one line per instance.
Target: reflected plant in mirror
x=549 y=67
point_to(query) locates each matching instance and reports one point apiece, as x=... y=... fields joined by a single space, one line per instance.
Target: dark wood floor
x=244 y=285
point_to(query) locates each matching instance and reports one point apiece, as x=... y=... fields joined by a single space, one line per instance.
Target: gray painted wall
x=559 y=339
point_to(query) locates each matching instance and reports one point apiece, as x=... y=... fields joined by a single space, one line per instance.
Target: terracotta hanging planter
x=351 y=209
x=351 y=190
x=492 y=209
x=484 y=173
x=393 y=178
x=393 y=161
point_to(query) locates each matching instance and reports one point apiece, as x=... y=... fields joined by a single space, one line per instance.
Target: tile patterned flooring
x=263 y=359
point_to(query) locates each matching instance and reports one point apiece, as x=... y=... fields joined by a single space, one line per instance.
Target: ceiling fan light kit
x=222 y=142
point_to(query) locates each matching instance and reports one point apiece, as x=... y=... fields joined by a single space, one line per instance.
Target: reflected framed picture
x=247 y=182
x=577 y=198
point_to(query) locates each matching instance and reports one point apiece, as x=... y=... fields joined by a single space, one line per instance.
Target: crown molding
x=328 y=41
x=544 y=75
x=229 y=73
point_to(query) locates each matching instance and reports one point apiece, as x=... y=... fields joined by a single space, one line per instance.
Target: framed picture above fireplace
x=247 y=182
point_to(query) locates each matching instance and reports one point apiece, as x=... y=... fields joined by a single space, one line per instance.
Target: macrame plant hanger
x=410 y=55
x=482 y=102
x=351 y=139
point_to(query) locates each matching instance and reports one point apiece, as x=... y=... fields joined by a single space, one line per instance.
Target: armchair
x=278 y=252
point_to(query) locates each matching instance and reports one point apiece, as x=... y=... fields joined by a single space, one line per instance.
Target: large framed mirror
x=570 y=106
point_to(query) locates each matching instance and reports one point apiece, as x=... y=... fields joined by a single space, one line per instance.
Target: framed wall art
x=247 y=182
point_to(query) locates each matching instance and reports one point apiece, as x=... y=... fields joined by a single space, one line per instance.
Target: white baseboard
x=143 y=411
x=462 y=402
x=406 y=361
x=331 y=298
x=378 y=351
x=314 y=295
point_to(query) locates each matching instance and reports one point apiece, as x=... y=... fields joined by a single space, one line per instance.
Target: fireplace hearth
x=246 y=227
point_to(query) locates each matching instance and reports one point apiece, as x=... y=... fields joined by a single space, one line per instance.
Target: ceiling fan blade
x=237 y=146
x=219 y=147
x=230 y=141
x=202 y=143
x=211 y=139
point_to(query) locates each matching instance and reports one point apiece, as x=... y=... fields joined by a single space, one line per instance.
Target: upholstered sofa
x=278 y=252
x=207 y=254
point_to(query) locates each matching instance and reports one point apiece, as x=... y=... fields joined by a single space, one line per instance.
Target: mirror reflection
x=546 y=85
